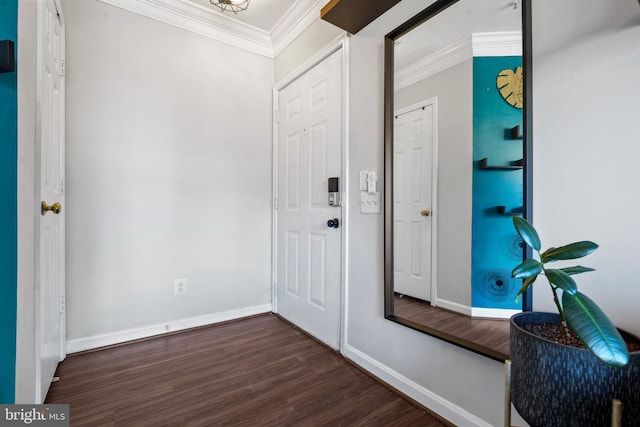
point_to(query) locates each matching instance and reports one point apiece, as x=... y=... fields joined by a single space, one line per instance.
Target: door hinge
x=275 y=203
x=275 y=289
x=62 y=67
x=62 y=305
x=62 y=186
x=277 y=116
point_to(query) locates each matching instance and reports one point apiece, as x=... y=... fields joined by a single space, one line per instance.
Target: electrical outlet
x=180 y=286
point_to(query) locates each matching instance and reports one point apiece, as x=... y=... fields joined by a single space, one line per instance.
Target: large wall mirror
x=457 y=169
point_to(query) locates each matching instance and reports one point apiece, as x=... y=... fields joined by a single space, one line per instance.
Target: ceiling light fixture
x=234 y=5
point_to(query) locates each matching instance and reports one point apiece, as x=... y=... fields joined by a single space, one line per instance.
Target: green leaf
x=576 y=270
x=570 y=251
x=527 y=232
x=528 y=268
x=595 y=329
x=525 y=285
x=562 y=280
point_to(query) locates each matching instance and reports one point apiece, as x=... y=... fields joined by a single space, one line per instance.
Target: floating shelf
x=7 y=57
x=516 y=133
x=515 y=165
x=502 y=210
x=354 y=15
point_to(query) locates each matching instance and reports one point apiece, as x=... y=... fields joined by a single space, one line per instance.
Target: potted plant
x=568 y=366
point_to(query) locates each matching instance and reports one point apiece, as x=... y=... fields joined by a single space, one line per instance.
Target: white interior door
x=414 y=141
x=308 y=264
x=50 y=279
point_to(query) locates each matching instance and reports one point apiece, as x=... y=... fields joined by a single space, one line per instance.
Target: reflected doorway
x=415 y=194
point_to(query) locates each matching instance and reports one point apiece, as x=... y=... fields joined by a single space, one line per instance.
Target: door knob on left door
x=425 y=212
x=56 y=208
x=333 y=223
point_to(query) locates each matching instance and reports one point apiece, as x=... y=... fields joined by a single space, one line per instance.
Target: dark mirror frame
x=410 y=24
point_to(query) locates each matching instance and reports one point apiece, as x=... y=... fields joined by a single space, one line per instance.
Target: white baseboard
x=88 y=343
x=448 y=410
x=495 y=313
x=453 y=306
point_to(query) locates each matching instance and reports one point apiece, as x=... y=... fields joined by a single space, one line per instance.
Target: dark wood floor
x=259 y=371
x=489 y=333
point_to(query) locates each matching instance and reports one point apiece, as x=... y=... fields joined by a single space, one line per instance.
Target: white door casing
x=309 y=151
x=50 y=250
x=414 y=211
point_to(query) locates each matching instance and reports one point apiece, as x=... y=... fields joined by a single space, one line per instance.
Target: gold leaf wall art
x=509 y=84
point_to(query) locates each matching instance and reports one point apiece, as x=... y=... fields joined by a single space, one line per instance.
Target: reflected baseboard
x=454 y=306
x=476 y=312
x=493 y=313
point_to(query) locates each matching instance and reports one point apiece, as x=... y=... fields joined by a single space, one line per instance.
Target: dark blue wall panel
x=8 y=212
x=496 y=246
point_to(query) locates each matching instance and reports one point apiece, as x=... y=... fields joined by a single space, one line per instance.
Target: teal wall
x=8 y=212
x=496 y=246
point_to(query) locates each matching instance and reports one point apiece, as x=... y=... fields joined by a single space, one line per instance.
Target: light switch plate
x=370 y=203
x=362 y=181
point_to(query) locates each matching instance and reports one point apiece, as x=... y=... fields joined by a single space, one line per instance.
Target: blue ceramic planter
x=554 y=385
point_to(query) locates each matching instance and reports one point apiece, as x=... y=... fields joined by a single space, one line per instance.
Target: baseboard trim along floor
x=104 y=340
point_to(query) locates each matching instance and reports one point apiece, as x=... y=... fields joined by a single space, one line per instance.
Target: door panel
x=317 y=270
x=293 y=171
x=318 y=163
x=292 y=262
x=308 y=260
x=413 y=183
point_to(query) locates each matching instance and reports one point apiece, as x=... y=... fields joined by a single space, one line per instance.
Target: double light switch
x=369 y=197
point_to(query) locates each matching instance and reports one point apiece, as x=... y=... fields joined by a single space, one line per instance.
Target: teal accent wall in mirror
x=457 y=169
x=497 y=188
x=8 y=216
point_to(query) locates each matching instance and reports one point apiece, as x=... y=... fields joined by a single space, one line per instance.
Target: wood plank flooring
x=259 y=371
x=490 y=333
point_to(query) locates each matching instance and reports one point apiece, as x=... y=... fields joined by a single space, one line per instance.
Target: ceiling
x=262 y=14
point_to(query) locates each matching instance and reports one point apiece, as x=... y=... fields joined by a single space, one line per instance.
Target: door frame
x=339 y=43
x=433 y=101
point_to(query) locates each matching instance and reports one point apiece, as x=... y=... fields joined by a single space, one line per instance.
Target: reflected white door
x=50 y=285
x=415 y=133
x=308 y=263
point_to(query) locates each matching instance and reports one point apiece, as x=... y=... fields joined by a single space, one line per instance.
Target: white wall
x=314 y=38
x=586 y=148
x=168 y=176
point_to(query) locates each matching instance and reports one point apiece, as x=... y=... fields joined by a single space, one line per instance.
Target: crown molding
x=457 y=52
x=223 y=28
x=200 y=20
x=302 y=14
x=507 y=43
x=504 y=43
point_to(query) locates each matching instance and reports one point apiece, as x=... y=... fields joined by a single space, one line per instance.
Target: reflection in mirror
x=454 y=171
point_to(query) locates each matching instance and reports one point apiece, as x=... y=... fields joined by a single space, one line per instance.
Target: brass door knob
x=425 y=212
x=56 y=208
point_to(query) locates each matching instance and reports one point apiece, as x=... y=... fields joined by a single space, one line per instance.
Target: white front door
x=50 y=279
x=309 y=152
x=413 y=210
